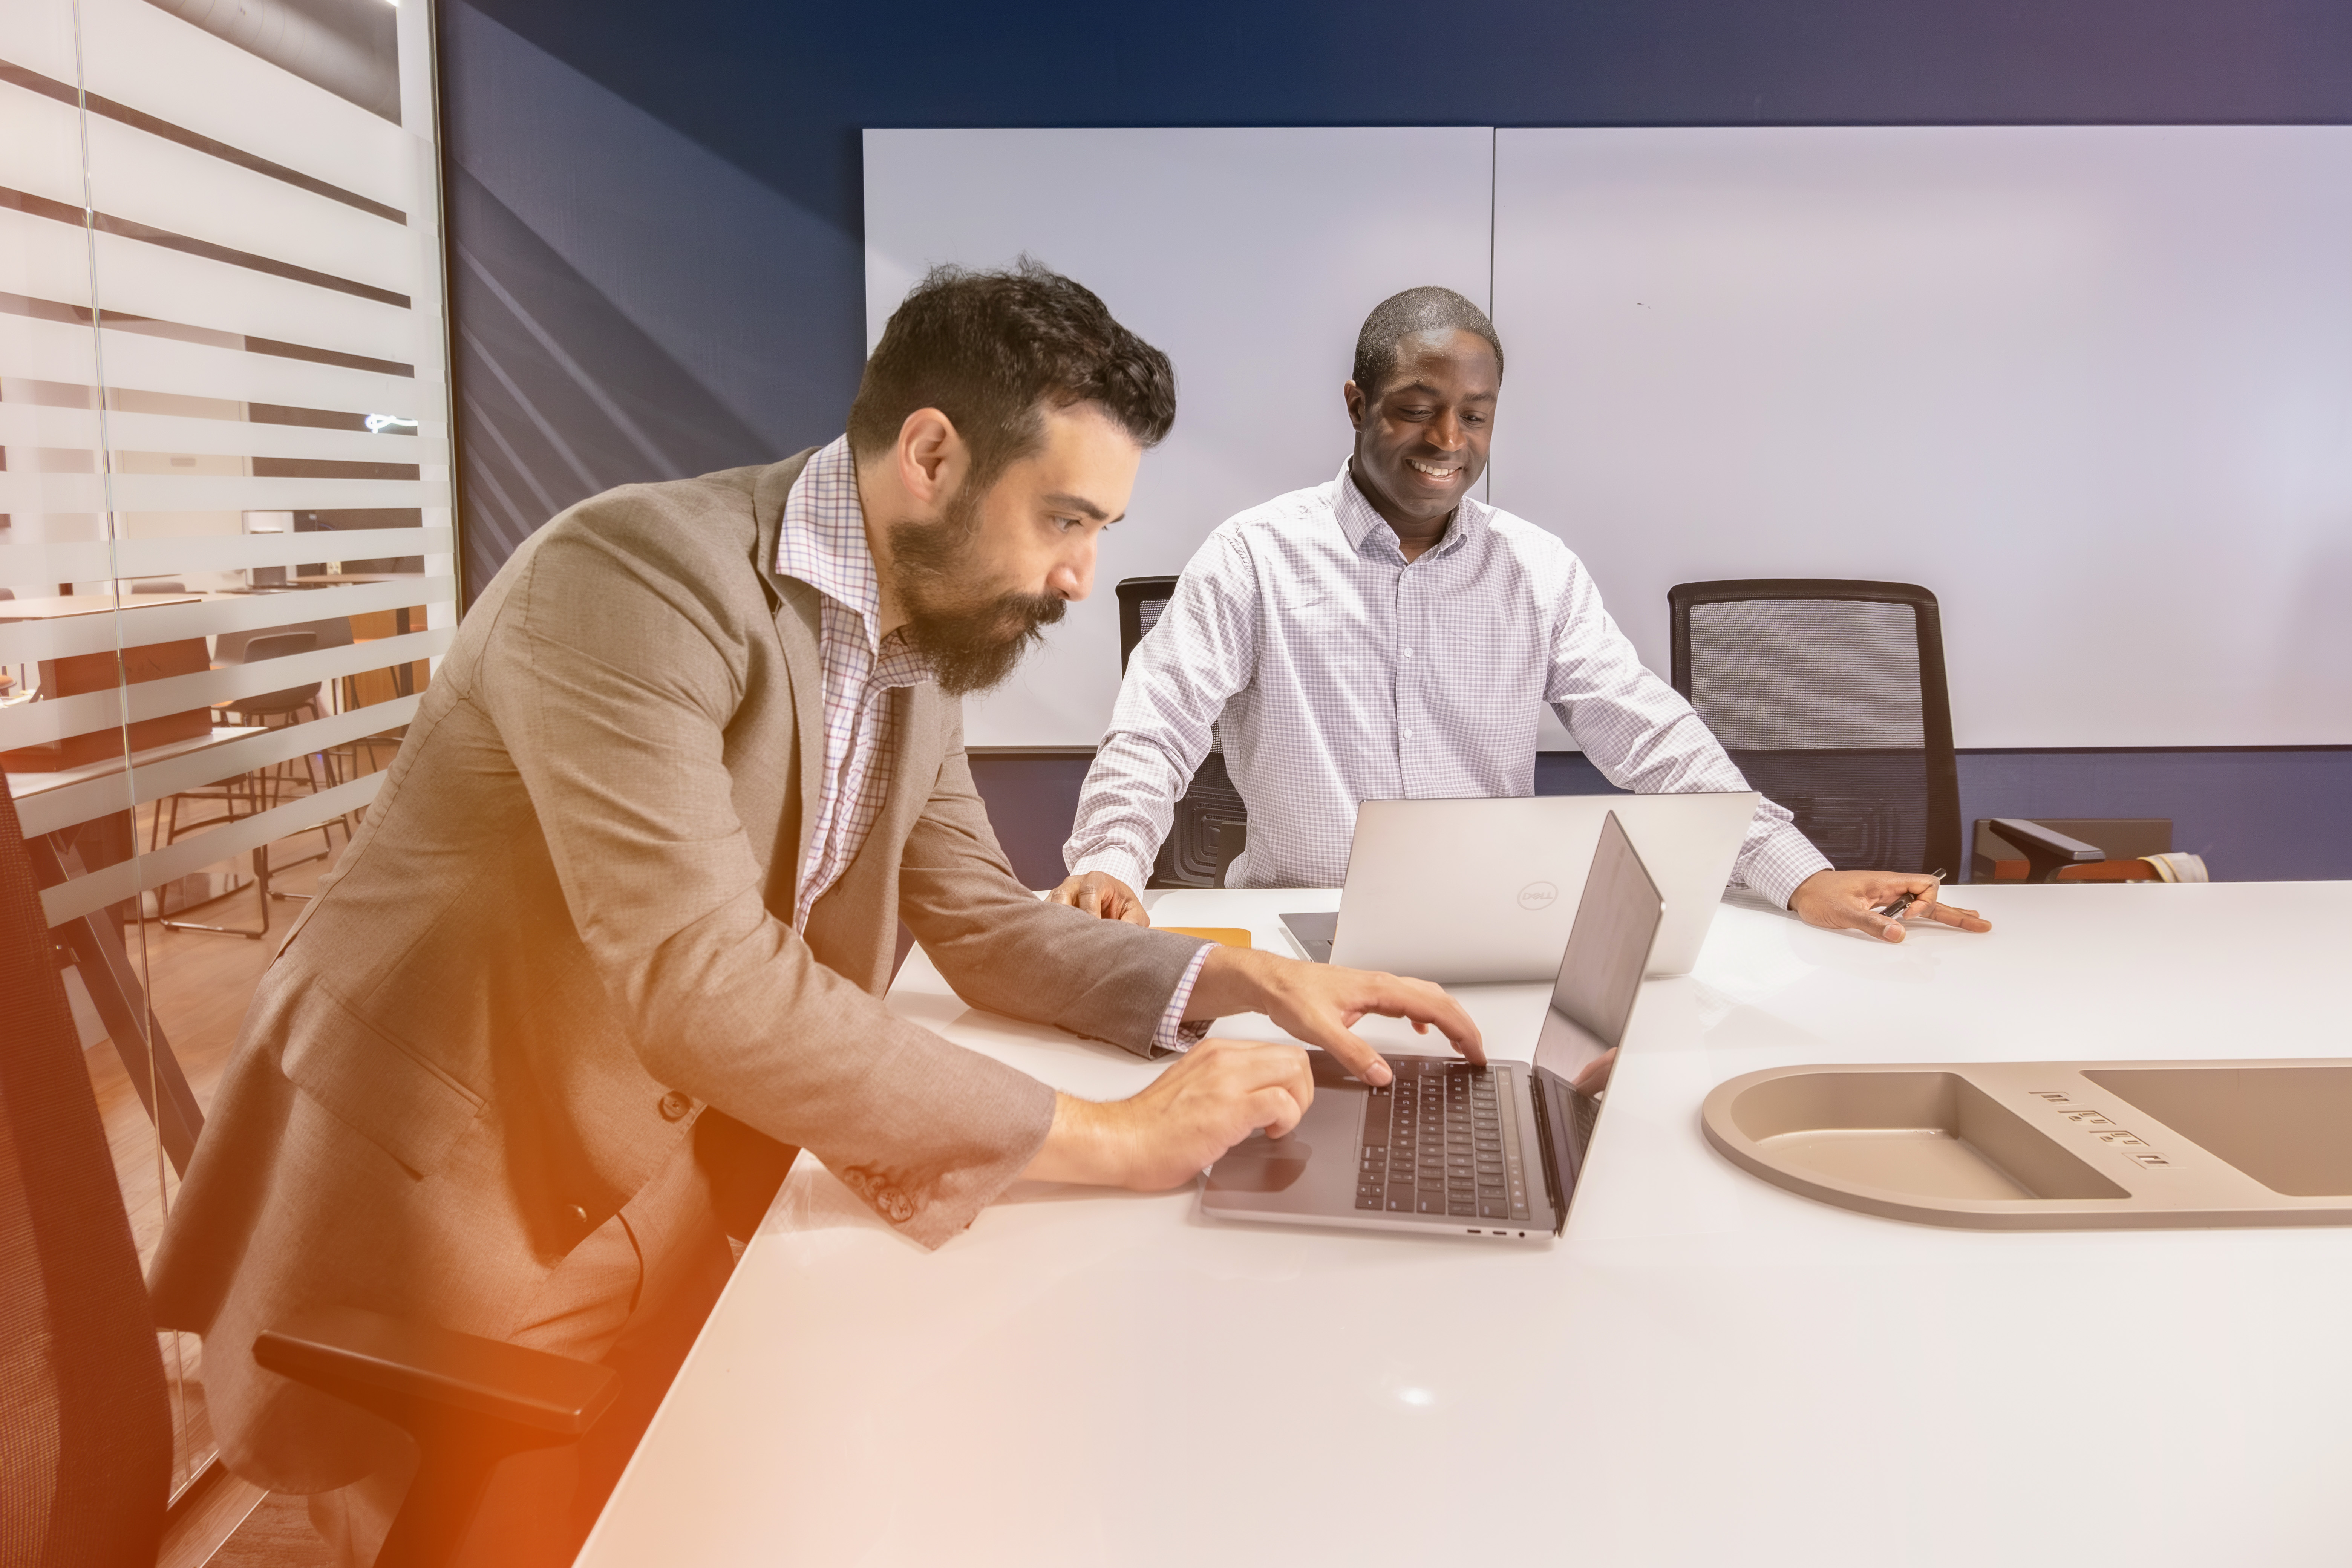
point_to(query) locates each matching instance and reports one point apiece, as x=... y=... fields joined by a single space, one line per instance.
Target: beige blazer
x=564 y=931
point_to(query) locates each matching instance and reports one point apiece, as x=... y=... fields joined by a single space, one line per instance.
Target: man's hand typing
x=1208 y=1099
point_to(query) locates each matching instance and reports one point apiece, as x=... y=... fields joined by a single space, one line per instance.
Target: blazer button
x=579 y=1214
x=894 y=1205
x=674 y=1105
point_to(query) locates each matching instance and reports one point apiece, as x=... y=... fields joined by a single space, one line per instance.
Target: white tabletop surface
x=1705 y=1370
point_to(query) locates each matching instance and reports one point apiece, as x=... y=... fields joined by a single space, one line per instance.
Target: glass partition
x=225 y=539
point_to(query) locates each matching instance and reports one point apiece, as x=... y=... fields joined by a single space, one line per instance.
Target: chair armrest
x=2046 y=851
x=391 y=1367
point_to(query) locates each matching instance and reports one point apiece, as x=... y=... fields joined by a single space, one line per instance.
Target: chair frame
x=1943 y=829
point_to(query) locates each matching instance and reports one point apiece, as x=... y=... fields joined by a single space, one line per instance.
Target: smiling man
x=1387 y=636
x=614 y=937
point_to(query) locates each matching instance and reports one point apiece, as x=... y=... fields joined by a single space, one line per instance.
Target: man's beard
x=970 y=642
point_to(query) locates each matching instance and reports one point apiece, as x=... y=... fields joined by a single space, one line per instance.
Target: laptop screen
x=1607 y=949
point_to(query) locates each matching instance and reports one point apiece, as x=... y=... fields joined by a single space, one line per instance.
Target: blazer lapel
x=799 y=616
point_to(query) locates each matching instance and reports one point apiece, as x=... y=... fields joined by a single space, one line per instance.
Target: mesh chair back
x=85 y=1430
x=1141 y=600
x=1830 y=695
x=1209 y=825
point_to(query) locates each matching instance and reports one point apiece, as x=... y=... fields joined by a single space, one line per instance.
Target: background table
x=1705 y=1370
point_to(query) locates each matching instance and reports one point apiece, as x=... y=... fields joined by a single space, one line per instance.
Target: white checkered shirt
x=821 y=542
x=1336 y=673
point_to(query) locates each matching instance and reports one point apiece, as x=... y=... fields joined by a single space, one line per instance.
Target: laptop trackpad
x=1260 y=1164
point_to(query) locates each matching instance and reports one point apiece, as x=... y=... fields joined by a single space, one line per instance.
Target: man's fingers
x=1870 y=923
x=1276 y=1110
x=1952 y=915
x=1353 y=1054
x=1428 y=1006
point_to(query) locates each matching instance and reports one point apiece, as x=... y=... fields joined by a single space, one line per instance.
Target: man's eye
x=1066 y=523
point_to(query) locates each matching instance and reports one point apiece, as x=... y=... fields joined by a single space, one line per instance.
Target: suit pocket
x=367 y=1079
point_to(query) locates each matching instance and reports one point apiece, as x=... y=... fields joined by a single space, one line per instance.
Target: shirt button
x=674 y=1105
x=1408 y=653
x=1408 y=734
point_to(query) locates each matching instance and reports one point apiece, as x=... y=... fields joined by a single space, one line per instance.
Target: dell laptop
x=1451 y=1147
x=1466 y=892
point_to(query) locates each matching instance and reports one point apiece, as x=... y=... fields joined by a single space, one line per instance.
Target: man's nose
x=1072 y=577
x=1445 y=432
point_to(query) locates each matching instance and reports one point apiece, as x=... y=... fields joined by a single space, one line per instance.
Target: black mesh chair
x=1211 y=826
x=85 y=1430
x=1830 y=695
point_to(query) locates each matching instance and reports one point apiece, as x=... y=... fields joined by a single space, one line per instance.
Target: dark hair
x=990 y=350
x=1429 y=309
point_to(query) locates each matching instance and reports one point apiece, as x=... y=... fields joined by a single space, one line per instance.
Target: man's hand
x=1209 y=1100
x=1100 y=893
x=1850 y=900
x=1320 y=1003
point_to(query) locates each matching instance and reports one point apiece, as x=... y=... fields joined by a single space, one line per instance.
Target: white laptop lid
x=1465 y=892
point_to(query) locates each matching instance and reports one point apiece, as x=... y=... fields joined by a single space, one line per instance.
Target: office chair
x=1211 y=826
x=86 y=1434
x=1830 y=695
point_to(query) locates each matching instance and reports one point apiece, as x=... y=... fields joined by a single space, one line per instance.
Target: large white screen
x=1250 y=256
x=2093 y=385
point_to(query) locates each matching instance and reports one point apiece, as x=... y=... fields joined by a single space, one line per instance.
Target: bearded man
x=614 y=937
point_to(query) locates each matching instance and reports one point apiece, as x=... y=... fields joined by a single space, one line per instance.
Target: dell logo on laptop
x=1538 y=895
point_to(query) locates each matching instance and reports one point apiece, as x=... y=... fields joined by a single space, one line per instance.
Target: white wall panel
x=1250 y=256
x=2093 y=385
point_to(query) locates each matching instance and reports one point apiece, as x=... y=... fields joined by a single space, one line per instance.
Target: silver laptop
x=1449 y=1147
x=1465 y=892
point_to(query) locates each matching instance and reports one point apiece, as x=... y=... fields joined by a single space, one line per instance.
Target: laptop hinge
x=1556 y=1140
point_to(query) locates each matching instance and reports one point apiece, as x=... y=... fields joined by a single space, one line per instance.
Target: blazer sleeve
x=1005 y=949
x=610 y=679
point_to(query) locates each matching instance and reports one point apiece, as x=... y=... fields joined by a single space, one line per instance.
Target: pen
x=1894 y=911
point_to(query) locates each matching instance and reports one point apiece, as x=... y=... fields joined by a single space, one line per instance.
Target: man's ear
x=931 y=455
x=1358 y=404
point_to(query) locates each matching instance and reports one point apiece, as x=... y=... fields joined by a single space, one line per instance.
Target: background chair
x=1830 y=695
x=86 y=1441
x=1211 y=826
x=263 y=788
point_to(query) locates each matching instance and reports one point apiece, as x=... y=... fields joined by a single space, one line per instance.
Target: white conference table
x=1705 y=1369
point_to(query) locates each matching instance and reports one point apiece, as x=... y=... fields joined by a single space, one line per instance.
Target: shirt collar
x=822 y=540
x=1363 y=525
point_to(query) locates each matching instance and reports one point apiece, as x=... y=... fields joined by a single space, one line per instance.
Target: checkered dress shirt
x=822 y=542
x=1336 y=673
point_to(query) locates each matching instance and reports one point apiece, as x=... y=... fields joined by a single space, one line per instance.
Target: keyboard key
x=1489 y=1209
x=1429 y=1202
x=1370 y=1201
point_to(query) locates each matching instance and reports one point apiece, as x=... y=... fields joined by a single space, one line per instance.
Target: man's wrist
x=1084 y=1144
x=1234 y=980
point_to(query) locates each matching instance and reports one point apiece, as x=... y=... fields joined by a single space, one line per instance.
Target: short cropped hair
x=1416 y=310
x=992 y=350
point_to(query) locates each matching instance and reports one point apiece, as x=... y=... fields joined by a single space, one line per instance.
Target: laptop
x=1450 y=1147
x=1465 y=892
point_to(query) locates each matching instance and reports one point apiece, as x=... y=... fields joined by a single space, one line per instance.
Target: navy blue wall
x=656 y=233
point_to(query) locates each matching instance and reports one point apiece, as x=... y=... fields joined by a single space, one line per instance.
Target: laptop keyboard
x=1444 y=1138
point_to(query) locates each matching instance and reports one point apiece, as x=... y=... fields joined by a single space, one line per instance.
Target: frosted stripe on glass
x=142 y=56
x=154 y=867
x=164 y=365
x=54 y=809
x=27 y=641
x=42 y=723
x=37 y=493
x=141 y=280
x=99 y=560
x=30 y=425
x=153 y=181
x=39 y=37
x=44 y=260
